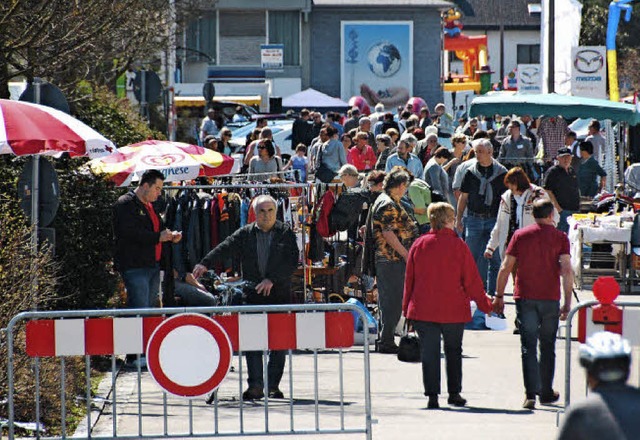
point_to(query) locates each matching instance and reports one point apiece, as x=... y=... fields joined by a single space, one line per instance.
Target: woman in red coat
x=441 y=279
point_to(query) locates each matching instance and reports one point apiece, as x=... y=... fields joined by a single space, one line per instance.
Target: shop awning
x=551 y=104
x=198 y=101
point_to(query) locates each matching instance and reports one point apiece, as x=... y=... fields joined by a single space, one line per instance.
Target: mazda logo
x=530 y=75
x=588 y=61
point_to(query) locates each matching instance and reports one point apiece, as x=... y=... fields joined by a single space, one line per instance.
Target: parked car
x=281 y=130
x=228 y=109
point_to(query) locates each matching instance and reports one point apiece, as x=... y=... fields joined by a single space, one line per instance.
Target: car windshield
x=243 y=130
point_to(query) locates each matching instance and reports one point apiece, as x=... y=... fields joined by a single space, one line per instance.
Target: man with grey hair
x=364 y=125
x=268 y=251
x=480 y=191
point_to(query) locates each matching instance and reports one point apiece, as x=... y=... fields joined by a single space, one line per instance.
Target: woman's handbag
x=409 y=347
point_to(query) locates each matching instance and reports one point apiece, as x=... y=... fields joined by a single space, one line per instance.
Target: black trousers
x=429 y=334
x=275 y=368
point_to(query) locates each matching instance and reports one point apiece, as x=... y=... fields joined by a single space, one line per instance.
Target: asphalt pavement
x=492 y=384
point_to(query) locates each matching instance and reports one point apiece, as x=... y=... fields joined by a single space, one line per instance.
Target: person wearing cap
x=611 y=409
x=444 y=121
x=539 y=253
x=561 y=183
x=404 y=157
x=589 y=171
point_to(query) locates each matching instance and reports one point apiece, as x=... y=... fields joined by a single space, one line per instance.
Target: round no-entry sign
x=189 y=355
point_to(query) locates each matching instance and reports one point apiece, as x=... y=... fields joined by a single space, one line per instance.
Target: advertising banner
x=377 y=61
x=589 y=72
x=272 y=56
x=529 y=78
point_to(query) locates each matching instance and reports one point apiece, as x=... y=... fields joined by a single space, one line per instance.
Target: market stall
x=551 y=104
x=600 y=244
x=586 y=231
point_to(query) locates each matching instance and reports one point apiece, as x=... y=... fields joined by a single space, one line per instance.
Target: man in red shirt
x=542 y=256
x=362 y=156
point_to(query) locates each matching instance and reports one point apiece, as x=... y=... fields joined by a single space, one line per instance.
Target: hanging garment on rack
x=194 y=242
x=205 y=224
x=181 y=222
x=233 y=206
x=224 y=229
x=244 y=210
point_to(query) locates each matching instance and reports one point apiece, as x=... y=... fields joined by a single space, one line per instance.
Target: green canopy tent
x=554 y=105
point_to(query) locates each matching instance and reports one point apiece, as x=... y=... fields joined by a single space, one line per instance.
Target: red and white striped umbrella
x=176 y=160
x=27 y=129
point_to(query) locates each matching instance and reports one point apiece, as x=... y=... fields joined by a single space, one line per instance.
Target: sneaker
x=433 y=402
x=253 y=393
x=529 y=403
x=456 y=400
x=275 y=393
x=548 y=399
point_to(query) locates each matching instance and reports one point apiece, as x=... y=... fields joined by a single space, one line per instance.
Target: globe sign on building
x=384 y=59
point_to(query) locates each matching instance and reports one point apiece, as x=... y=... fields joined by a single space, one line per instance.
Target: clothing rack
x=308 y=295
x=291 y=171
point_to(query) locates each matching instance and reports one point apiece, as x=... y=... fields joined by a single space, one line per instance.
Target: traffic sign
x=208 y=91
x=189 y=355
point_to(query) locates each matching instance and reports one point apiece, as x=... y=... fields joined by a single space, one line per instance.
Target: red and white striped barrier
x=630 y=325
x=247 y=332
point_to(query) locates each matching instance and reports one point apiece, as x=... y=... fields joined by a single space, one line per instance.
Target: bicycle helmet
x=606 y=356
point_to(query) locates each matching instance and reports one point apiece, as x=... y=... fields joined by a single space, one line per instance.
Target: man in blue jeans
x=561 y=183
x=480 y=191
x=540 y=253
x=139 y=233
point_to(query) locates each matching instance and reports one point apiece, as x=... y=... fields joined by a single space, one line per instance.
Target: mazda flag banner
x=377 y=61
x=529 y=78
x=589 y=72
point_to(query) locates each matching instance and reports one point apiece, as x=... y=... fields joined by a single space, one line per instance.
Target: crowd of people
x=454 y=208
x=481 y=202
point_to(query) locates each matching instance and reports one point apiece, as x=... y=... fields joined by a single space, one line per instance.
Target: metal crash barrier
x=197 y=371
x=594 y=316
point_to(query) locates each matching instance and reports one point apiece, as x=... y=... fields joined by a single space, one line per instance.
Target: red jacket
x=358 y=159
x=441 y=279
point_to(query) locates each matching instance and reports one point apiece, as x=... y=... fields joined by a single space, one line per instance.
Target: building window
x=241 y=34
x=200 y=44
x=284 y=28
x=528 y=53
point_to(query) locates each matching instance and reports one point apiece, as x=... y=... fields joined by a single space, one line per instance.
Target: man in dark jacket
x=269 y=253
x=301 y=130
x=139 y=233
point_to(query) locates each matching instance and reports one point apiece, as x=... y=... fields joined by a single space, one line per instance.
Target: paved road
x=492 y=384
